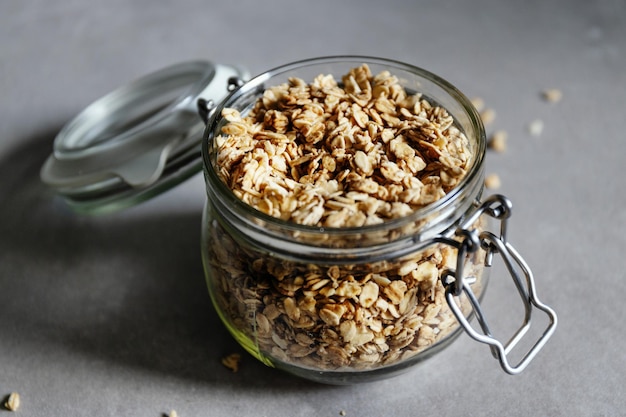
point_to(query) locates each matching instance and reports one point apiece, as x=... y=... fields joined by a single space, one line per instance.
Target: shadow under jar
x=350 y=304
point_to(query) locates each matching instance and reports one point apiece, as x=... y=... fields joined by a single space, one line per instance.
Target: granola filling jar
x=318 y=258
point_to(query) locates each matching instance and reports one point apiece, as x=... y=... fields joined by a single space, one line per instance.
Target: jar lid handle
x=456 y=284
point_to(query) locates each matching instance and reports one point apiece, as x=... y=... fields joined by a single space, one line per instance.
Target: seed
x=232 y=361
x=320 y=284
x=492 y=181
x=407 y=267
x=329 y=163
x=395 y=291
x=13 y=402
x=362 y=162
x=488 y=116
x=408 y=302
x=426 y=271
x=369 y=294
x=552 y=95
x=498 y=141
x=478 y=103
x=263 y=324
x=535 y=128
x=332 y=313
x=292 y=309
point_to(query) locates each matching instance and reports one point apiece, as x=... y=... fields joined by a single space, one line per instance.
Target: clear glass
x=339 y=305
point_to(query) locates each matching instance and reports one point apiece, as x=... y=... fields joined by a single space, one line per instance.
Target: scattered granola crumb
x=478 y=103
x=232 y=361
x=488 y=116
x=173 y=413
x=552 y=95
x=498 y=141
x=535 y=128
x=342 y=413
x=13 y=402
x=492 y=181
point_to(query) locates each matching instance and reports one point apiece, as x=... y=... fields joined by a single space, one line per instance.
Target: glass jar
x=332 y=304
x=345 y=305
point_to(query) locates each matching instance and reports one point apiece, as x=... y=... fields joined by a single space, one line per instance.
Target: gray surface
x=109 y=316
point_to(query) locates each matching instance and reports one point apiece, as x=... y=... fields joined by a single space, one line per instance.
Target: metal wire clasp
x=456 y=283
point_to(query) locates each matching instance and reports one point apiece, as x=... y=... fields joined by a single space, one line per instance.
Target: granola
x=334 y=317
x=232 y=361
x=13 y=402
x=552 y=95
x=498 y=141
x=492 y=181
x=535 y=128
x=325 y=155
x=336 y=155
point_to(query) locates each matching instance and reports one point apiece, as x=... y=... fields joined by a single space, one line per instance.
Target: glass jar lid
x=137 y=141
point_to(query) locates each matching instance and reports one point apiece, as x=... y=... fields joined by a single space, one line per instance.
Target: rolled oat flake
x=344 y=237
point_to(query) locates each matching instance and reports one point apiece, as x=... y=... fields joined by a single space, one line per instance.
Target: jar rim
x=256 y=83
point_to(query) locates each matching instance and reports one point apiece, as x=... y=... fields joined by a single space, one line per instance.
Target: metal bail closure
x=137 y=141
x=456 y=283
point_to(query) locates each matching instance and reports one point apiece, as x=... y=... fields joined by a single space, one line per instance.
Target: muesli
x=333 y=154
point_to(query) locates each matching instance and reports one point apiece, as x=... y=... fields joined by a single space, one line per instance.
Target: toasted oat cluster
x=331 y=154
x=341 y=155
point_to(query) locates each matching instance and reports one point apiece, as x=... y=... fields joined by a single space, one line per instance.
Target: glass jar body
x=335 y=323
x=340 y=305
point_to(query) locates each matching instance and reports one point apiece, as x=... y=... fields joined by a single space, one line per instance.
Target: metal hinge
x=456 y=283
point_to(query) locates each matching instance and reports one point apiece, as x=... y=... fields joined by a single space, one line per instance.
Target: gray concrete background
x=110 y=317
